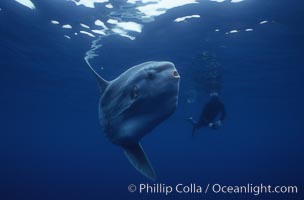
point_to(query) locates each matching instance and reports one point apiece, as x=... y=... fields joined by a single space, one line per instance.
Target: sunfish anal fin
x=139 y=160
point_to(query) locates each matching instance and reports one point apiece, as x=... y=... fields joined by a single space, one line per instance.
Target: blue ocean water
x=52 y=146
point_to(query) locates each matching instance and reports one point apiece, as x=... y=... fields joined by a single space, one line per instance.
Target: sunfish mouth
x=175 y=74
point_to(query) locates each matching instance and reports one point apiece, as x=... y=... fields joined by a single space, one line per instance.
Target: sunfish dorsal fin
x=102 y=83
x=139 y=160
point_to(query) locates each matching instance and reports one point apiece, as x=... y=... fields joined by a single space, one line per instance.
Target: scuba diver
x=207 y=77
x=212 y=115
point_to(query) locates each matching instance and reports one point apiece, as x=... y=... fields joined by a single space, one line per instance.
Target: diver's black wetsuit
x=210 y=112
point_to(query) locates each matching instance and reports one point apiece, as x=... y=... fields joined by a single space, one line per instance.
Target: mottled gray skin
x=134 y=103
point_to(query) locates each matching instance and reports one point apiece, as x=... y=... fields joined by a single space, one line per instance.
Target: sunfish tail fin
x=139 y=160
x=102 y=83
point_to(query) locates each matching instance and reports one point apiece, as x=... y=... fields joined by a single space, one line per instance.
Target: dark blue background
x=52 y=146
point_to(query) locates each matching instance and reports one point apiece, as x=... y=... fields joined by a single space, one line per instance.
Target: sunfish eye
x=150 y=75
x=134 y=92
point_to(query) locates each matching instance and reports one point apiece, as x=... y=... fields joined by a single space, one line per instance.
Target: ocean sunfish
x=136 y=102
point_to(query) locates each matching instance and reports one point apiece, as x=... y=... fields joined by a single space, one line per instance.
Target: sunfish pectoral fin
x=139 y=160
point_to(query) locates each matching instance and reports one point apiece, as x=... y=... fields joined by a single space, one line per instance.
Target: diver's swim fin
x=193 y=123
x=139 y=160
x=193 y=130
